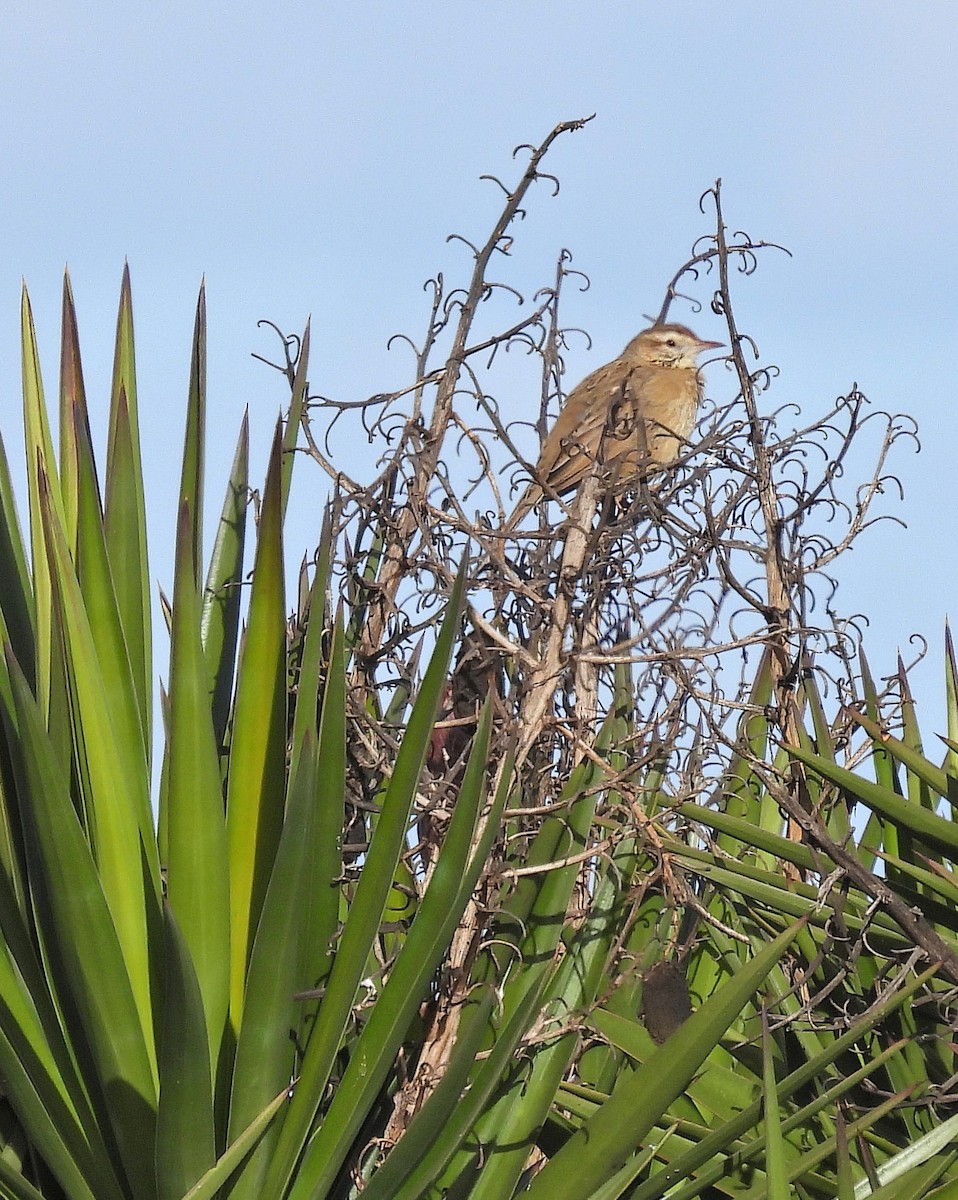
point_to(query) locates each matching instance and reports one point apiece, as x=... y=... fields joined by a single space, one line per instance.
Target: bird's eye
x=670 y=342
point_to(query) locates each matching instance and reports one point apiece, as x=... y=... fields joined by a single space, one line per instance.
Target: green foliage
x=627 y=991
x=150 y=981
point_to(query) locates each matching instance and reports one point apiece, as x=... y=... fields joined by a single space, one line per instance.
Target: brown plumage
x=631 y=415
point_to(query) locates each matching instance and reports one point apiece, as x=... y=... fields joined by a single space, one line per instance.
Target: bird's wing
x=574 y=441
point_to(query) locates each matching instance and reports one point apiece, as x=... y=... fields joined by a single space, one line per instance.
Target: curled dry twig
x=730 y=550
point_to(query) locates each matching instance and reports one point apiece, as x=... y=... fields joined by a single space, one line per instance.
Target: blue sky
x=313 y=158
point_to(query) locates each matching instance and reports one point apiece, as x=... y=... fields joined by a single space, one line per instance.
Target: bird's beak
x=710 y=345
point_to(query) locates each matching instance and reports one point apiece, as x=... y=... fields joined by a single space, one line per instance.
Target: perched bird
x=630 y=416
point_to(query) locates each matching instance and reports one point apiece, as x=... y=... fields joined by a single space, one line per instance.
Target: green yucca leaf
x=775 y=1158
x=89 y=962
x=40 y=463
x=717 y=1090
x=16 y=592
x=444 y=1129
x=310 y=673
x=743 y=832
x=73 y=409
x=446 y=1116
x=117 y=789
x=906 y=754
x=883 y=762
x=95 y=577
x=440 y=910
x=742 y=792
x=845 y=1179
x=774 y=895
x=618 y=1185
x=265 y=1049
x=197 y=880
x=194 y=440
x=210 y=1184
x=911 y=734
x=935 y=892
x=185 y=1133
x=13 y=1186
x=13 y=882
x=951 y=704
x=39 y=1079
x=519 y=1114
x=220 y=623
x=412 y=1163
x=257 y=765
x=927 y=826
x=320 y=900
x=824 y=739
x=124 y=513
x=366 y=910
x=877 y=832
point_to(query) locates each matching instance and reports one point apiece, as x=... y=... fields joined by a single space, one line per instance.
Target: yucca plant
x=469 y=878
x=150 y=978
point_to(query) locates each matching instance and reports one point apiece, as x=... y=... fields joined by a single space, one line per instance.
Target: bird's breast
x=670 y=396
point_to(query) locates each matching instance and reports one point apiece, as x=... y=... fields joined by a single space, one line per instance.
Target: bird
x=630 y=417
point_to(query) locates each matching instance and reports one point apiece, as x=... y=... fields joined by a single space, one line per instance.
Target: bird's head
x=668 y=346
